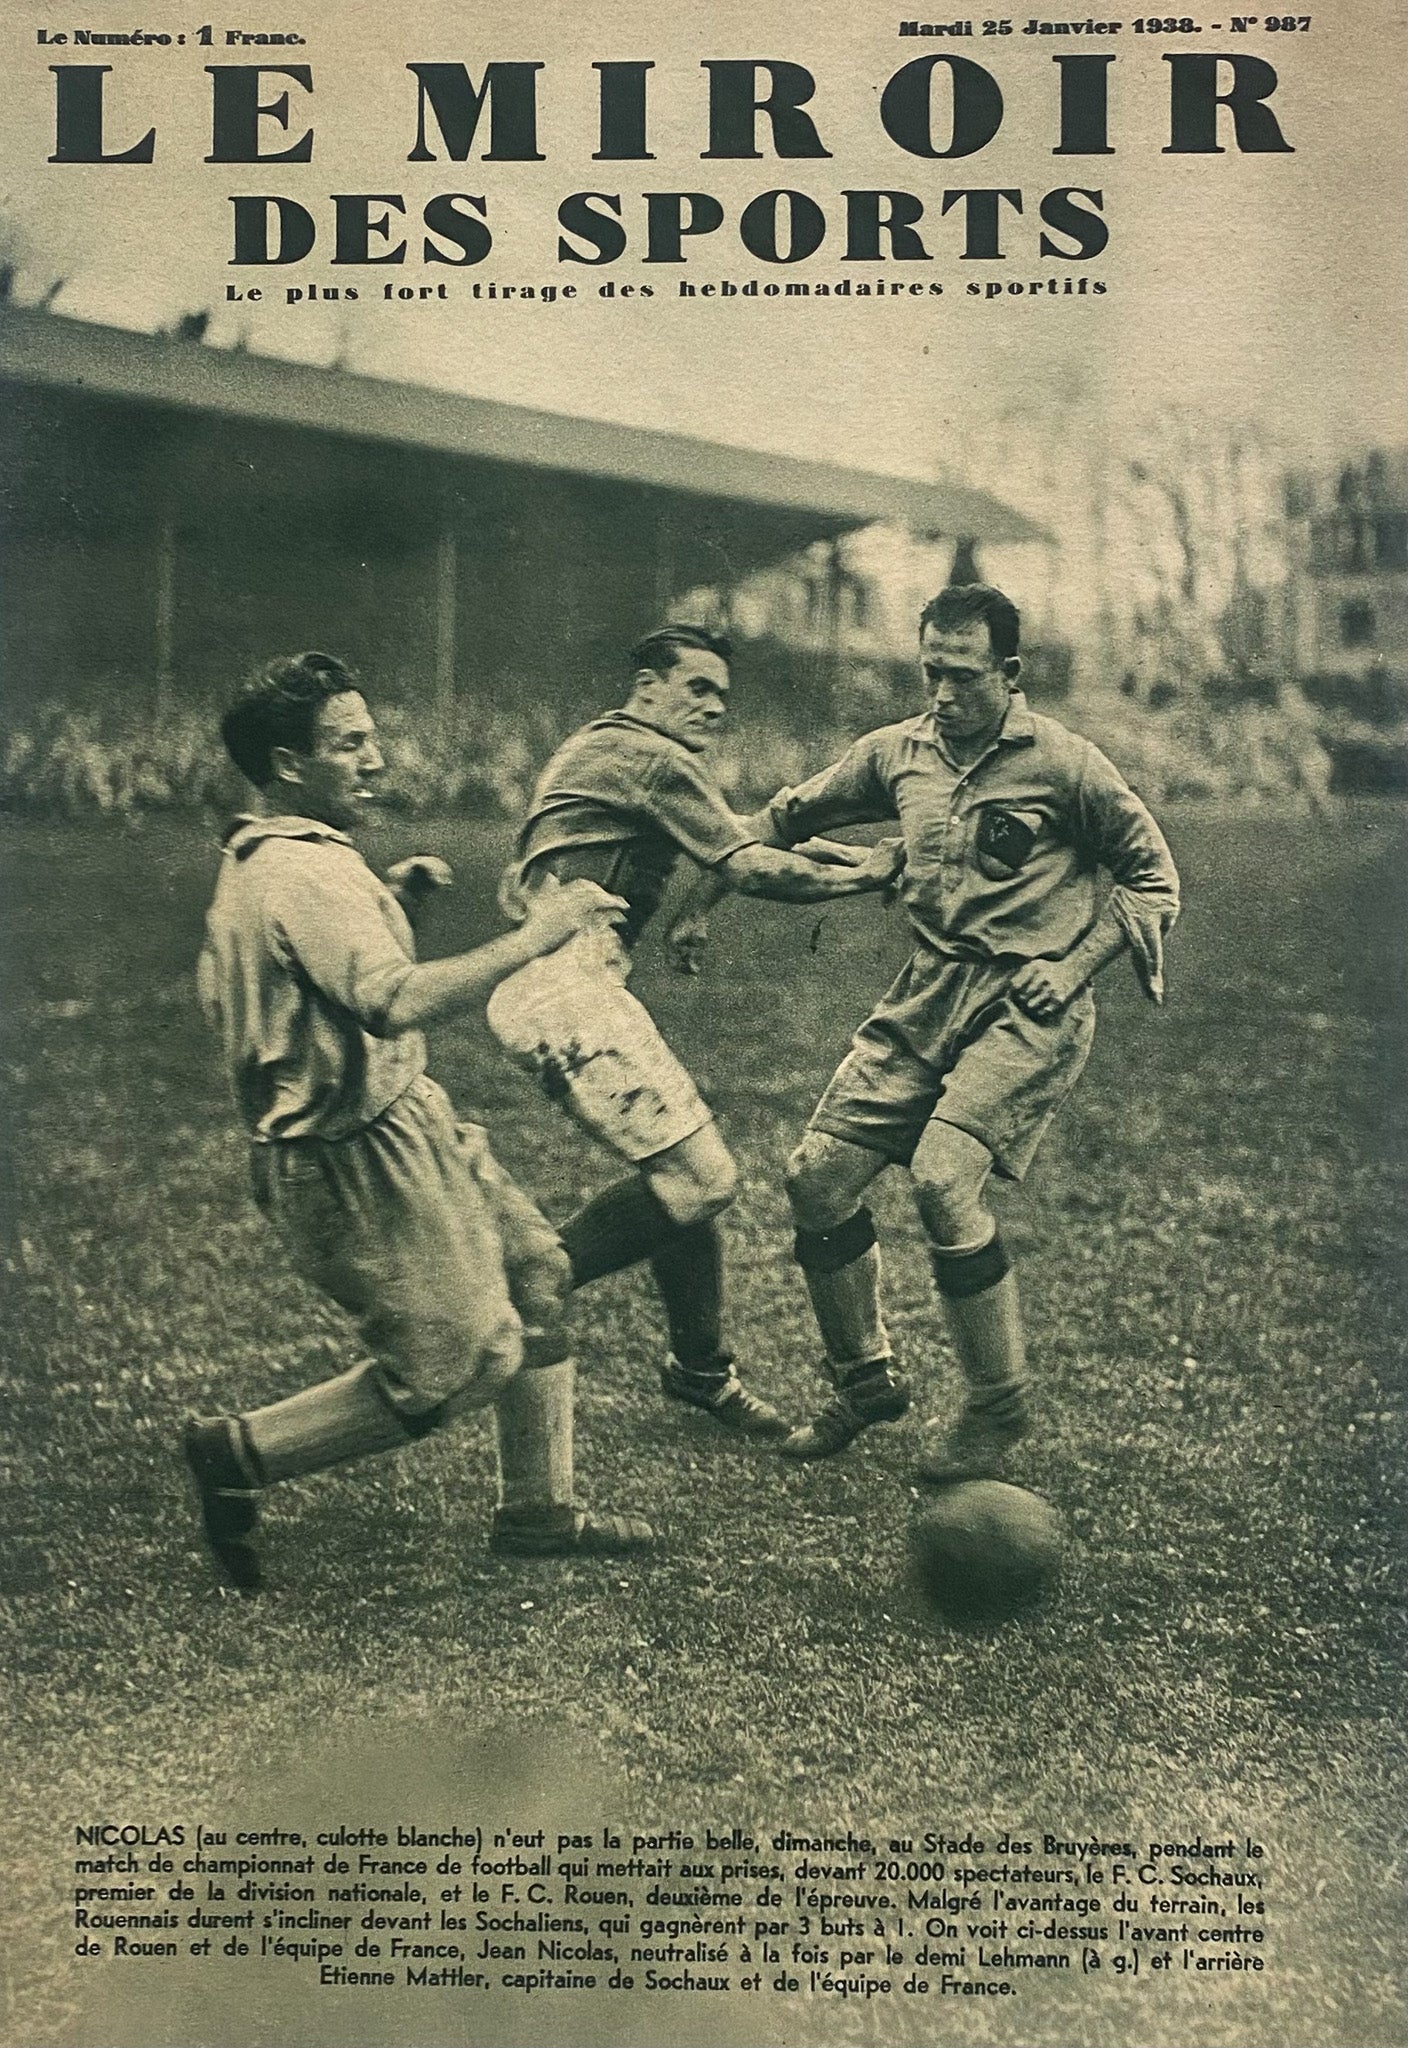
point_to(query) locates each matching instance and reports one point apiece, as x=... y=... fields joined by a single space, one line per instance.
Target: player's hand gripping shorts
x=948 y=1043
x=570 y=1019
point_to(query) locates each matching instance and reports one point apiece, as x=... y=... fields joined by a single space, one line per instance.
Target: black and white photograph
x=703 y=779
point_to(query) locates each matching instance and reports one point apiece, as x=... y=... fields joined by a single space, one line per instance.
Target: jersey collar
x=1018 y=728
x=244 y=833
x=633 y=718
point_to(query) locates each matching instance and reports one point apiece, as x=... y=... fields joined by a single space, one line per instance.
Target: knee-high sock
x=984 y=1312
x=842 y=1270
x=846 y=1305
x=622 y=1225
x=988 y=1337
x=533 y=1420
x=626 y=1223
x=347 y=1417
x=689 y=1272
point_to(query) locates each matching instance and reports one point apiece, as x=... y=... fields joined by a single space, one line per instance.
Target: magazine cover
x=626 y=1422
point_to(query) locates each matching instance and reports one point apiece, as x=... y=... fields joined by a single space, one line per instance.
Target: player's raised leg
x=840 y=1260
x=373 y=1408
x=457 y=1285
x=979 y=1292
x=666 y=1214
x=693 y=1182
x=233 y=1458
x=599 y=1053
x=368 y=1409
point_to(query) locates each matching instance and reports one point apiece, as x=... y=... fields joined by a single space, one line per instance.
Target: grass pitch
x=1212 y=1255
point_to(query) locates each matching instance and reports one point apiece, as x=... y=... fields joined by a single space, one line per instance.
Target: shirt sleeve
x=333 y=928
x=851 y=791
x=688 y=805
x=1119 y=832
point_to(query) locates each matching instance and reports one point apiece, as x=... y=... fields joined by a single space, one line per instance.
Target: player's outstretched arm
x=688 y=936
x=795 y=876
x=847 y=793
x=788 y=877
x=440 y=988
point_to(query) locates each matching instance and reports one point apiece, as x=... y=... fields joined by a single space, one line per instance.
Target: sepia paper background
x=1256 y=295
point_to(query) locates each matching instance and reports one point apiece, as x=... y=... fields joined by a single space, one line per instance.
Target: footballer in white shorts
x=617 y=804
x=596 y=1049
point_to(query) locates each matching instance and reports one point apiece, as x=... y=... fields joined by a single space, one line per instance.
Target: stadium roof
x=49 y=350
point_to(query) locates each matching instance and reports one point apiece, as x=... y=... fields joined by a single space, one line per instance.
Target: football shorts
x=953 y=1046
x=569 y=1019
x=414 y=1228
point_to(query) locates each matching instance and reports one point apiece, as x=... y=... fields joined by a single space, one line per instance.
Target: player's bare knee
x=948 y=1186
x=822 y=1196
x=954 y=1224
x=540 y=1286
x=687 y=1202
x=697 y=1182
x=951 y=1206
x=719 y=1185
x=816 y=1203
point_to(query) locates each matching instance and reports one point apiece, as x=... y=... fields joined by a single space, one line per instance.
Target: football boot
x=993 y=1420
x=719 y=1392
x=568 y=1530
x=865 y=1395
x=229 y=1507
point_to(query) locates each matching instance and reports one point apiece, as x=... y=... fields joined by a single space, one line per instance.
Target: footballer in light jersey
x=1031 y=864
x=384 y=1199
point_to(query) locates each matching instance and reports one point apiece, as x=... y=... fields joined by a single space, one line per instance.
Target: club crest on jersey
x=1004 y=841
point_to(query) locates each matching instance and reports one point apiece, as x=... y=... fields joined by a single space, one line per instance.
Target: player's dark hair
x=960 y=604
x=279 y=708
x=662 y=649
